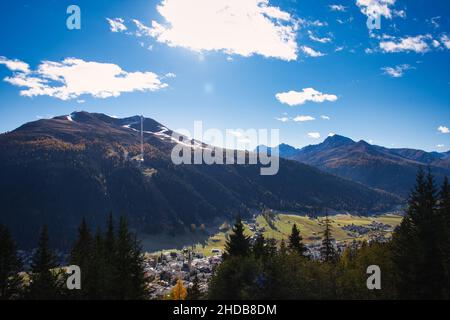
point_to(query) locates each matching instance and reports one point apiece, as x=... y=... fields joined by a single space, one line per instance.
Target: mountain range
x=56 y=171
x=391 y=170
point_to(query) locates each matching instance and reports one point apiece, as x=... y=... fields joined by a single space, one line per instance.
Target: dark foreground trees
x=10 y=266
x=111 y=263
x=421 y=243
x=415 y=264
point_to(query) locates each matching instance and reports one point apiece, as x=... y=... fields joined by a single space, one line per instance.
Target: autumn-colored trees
x=179 y=292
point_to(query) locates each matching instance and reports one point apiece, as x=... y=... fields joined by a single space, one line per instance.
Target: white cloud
x=400 y=13
x=170 y=75
x=325 y=117
x=15 y=65
x=116 y=24
x=337 y=7
x=417 y=44
x=446 y=41
x=376 y=8
x=435 y=21
x=303 y=118
x=397 y=71
x=443 y=129
x=311 y=52
x=436 y=43
x=440 y=146
x=143 y=30
x=318 y=39
x=242 y=27
x=331 y=134
x=73 y=77
x=294 y=98
x=314 y=135
x=283 y=119
x=311 y=23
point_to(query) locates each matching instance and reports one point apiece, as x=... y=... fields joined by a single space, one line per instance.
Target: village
x=164 y=269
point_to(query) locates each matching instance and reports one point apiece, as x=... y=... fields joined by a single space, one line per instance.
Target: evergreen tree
x=444 y=212
x=417 y=244
x=98 y=287
x=82 y=249
x=130 y=277
x=10 y=265
x=327 y=251
x=82 y=255
x=194 y=293
x=44 y=282
x=238 y=243
x=283 y=249
x=107 y=256
x=259 y=247
x=295 y=241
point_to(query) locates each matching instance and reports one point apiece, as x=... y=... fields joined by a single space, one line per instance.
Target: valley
x=345 y=228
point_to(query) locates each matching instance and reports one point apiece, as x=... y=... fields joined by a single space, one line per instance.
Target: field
x=310 y=228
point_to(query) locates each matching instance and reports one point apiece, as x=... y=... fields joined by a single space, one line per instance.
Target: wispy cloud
x=318 y=39
x=435 y=22
x=337 y=7
x=446 y=41
x=242 y=27
x=294 y=98
x=73 y=77
x=397 y=71
x=325 y=117
x=311 y=52
x=116 y=24
x=303 y=118
x=283 y=119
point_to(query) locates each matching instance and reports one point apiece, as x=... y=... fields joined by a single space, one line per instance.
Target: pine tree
x=82 y=255
x=444 y=212
x=327 y=251
x=10 y=265
x=259 y=249
x=295 y=241
x=417 y=244
x=82 y=249
x=283 y=249
x=238 y=243
x=129 y=264
x=194 y=293
x=44 y=282
x=97 y=285
x=107 y=255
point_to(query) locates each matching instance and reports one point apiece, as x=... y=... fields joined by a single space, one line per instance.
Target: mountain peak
x=337 y=140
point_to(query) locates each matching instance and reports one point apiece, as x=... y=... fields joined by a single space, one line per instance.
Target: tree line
x=111 y=263
x=414 y=264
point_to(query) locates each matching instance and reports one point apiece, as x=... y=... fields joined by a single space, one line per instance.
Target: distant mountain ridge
x=56 y=171
x=392 y=170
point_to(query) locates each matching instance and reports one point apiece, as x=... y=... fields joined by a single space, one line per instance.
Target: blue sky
x=307 y=67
